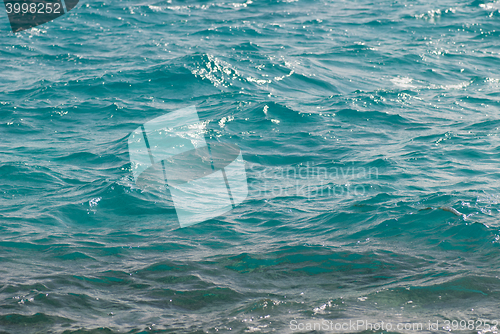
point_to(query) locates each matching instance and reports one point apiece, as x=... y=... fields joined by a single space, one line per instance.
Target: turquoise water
x=407 y=90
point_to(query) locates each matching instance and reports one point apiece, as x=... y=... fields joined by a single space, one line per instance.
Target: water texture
x=405 y=90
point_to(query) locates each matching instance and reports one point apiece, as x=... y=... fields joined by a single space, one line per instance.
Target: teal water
x=406 y=89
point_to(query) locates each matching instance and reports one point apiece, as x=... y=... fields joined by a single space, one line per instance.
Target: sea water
x=363 y=126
